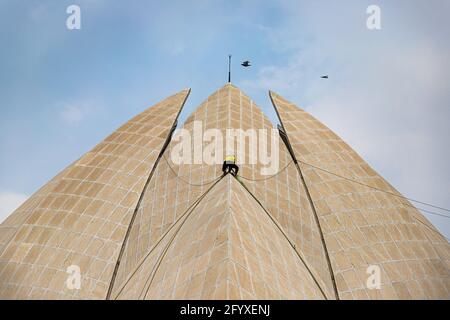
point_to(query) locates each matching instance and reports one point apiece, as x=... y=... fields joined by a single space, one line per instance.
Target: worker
x=229 y=165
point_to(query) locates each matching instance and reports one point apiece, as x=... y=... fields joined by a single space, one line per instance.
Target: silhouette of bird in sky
x=246 y=64
x=324 y=77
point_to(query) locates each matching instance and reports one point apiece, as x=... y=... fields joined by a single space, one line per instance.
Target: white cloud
x=73 y=114
x=177 y=49
x=387 y=95
x=9 y=202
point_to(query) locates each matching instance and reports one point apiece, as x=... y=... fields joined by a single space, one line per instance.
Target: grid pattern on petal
x=84 y=213
x=363 y=226
x=174 y=188
x=227 y=248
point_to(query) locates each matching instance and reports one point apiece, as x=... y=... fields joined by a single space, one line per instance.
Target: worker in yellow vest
x=229 y=165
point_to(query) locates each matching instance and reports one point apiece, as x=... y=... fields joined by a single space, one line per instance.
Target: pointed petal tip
x=273 y=94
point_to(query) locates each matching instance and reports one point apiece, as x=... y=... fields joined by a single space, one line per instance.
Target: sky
x=62 y=91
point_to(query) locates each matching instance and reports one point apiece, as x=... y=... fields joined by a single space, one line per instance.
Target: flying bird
x=246 y=64
x=324 y=77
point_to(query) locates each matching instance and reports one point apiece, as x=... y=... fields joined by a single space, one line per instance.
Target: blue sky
x=388 y=96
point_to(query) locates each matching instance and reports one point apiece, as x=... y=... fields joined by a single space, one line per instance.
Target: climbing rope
x=378 y=189
x=269 y=177
x=187 y=182
x=183 y=216
x=148 y=282
x=291 y=243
